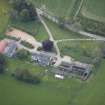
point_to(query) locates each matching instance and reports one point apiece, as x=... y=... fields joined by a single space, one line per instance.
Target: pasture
x=51 y=91
x=94 y=9
x=85 y=51
x=4 y=18
x=93 y=93
x=36 y=29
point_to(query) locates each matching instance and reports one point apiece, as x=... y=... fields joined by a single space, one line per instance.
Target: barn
x=3 y=45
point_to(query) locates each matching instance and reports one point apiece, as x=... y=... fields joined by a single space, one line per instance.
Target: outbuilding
x=3 y=45
x=59 y=76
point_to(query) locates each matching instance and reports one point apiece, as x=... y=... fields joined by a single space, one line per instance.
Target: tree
x=103 y=50
x=22 y=54
x=18 y=4
x=32 y=11
x=26 y=10
x=26 y=76
x=2 y=63
x=47 y=45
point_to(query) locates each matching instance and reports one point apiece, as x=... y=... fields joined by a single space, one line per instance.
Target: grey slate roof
x=43 y=58
x=10 y=49
x=81 y=71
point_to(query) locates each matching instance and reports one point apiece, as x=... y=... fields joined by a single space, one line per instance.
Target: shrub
x=23 y=9
x=26 y=76
x=47 y=45
x=22 y=54
x=27 y=44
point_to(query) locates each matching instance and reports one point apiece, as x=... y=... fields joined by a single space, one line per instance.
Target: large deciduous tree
x=47 y=45
x=26 y=10
x=22 y=54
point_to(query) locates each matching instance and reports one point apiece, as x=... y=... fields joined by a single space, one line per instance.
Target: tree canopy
x=25 y=10
x=26 y=76
x=47 y=45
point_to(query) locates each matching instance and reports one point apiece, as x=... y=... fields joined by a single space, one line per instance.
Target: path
x=65 y=40
x=69 y=27
x=80 y=6
x=48 y=31
x=81 y=32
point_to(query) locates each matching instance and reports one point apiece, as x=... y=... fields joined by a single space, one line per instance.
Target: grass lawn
x=13 y=64
x=59 y=33
x=13 y=92
x=4 y=18
x=80 y=50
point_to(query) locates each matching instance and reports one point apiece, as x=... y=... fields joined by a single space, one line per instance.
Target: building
x=10 y=49
x=82 y=70
x=44 y=58
x=3 y=45
x=59 y=76
x=77 y=69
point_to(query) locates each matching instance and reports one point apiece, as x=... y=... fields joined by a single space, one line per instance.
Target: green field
x=17 y=93
x=61 y=8
x=94 y=9
x=84 y=51
x=4 y=18
x=52 y=91
x=59 y=33
x=93 y=93
x=35 y=29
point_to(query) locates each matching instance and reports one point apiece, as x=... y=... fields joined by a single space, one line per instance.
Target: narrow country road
x=80 y=6
x=65 y=40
